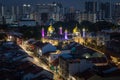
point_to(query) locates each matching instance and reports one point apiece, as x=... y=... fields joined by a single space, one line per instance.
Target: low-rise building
x=27 y=22
x=90 y=75
x=42 y=48
x=18 y=65
x=72 y=63
x=15 y=36
x=102 y=39
x=69 y=65
x=113 y=50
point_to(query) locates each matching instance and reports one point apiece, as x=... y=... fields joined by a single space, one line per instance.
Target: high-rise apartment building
x=87 y=17
x=103 y=10
x=91 y=7
x=116 y=12
x=2 y=10
x=26 y=10
x=48 y=13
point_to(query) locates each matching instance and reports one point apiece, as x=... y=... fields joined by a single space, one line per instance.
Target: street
x=40 y=63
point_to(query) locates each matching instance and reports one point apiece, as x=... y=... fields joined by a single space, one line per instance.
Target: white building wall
x=55 y=55
x=84 y=64
x=87 y=17
x=73 y=68
x=79 y=67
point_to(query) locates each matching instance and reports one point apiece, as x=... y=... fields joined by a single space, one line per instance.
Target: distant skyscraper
x=105 y=10
x=91 y=11
x=91 y=7
x=26 y=10
x=69 y=17
x=92 y=17
x=48 y=13
x=13 y=13
x=100 y=8
x=2 y=10
x=72 y=10
x=17 y=13
x=43 y=11
x=116 y=12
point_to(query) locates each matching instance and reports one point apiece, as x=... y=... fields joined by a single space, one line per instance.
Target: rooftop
x=13 y=64
x=112 y=72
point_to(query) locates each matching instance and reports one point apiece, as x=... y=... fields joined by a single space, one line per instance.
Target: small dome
x=76 y=29
x=50 y=28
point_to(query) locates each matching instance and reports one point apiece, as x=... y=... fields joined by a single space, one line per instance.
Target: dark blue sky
x=66 y=3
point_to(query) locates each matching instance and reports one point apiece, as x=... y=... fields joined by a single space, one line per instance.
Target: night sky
x=78 y=4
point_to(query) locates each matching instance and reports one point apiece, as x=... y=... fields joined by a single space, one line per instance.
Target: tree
x=103 y=25
x=87 y=25
x=71 y=25
x=66 y=25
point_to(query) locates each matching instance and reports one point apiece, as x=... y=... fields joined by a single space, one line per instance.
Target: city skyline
x=59 y=39
x=90 y=10
x=78 y=4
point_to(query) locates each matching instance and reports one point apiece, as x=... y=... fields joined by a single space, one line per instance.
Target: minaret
x=43 y=33
x=83 y=32
x=66 y=34
x=60 y=30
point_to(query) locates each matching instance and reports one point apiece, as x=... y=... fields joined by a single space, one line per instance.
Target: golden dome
x=75 y=29
x=50 y=28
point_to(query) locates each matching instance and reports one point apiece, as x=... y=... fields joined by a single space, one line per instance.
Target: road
x=40 y=63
